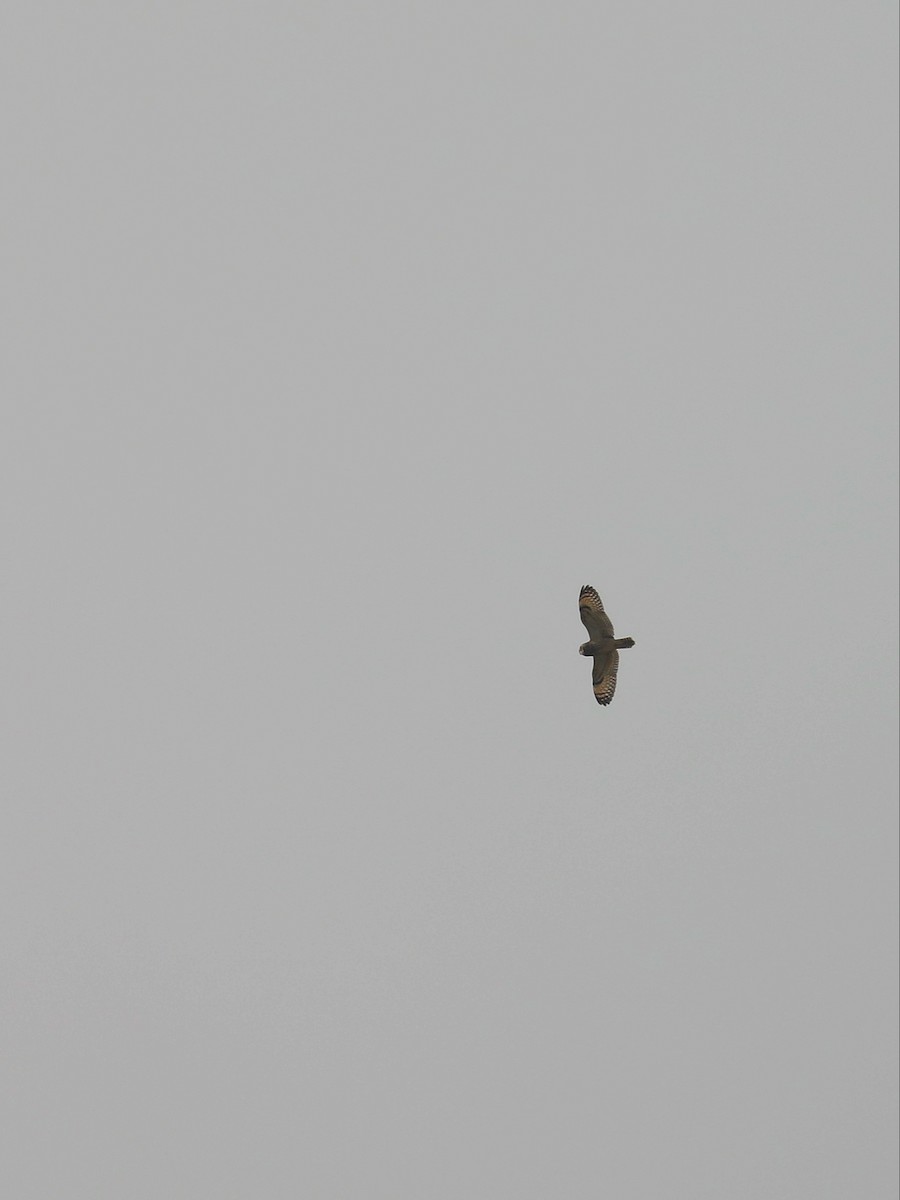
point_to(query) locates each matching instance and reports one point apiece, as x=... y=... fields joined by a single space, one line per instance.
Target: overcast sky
x=343 y=343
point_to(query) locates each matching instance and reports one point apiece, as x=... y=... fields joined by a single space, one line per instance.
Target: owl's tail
x=624 y=643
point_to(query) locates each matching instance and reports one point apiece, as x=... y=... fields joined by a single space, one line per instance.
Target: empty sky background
x=343 y=343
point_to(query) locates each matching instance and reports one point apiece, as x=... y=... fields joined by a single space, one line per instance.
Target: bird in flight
x=603 y=645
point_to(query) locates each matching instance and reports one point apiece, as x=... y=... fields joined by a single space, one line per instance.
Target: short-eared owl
x=603 y=646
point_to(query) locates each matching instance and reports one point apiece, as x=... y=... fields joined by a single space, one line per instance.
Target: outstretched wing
x=593 y=618
x=606 y=667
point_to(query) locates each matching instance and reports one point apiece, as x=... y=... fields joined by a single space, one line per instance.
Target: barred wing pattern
x=606 y=667
x=593 y=615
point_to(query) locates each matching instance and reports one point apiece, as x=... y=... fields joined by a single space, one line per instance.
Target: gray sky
x=344 y=343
